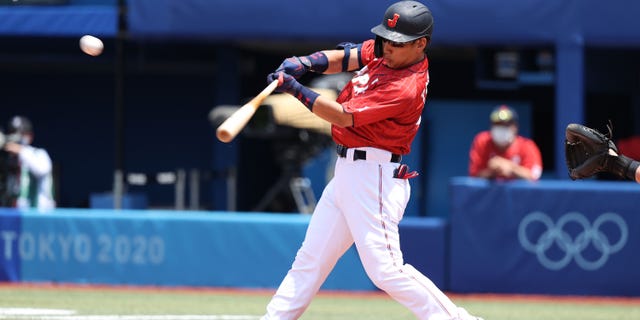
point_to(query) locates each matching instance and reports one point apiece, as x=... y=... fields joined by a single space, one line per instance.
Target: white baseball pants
x=362 y=204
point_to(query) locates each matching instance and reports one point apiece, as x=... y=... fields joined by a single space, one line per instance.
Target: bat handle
x=266 y=91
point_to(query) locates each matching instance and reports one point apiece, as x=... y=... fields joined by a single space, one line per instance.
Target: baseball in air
x=91 y=45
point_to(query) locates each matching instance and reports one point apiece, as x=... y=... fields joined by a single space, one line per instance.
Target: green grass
x=549 y=309
x=326 y=306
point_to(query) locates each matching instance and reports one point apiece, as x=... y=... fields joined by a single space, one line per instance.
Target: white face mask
x=502 y=135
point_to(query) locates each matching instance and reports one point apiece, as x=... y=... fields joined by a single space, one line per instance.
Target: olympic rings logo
x=572 y=246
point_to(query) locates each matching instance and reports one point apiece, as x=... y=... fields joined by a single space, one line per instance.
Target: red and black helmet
x=405 y=21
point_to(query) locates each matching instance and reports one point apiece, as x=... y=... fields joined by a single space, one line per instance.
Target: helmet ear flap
x=377 y=47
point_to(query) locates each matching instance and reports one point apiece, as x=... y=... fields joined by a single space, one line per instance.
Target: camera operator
x=26 y=170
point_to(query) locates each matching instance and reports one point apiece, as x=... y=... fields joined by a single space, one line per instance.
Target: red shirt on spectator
x=522 y=151
x=630 y=147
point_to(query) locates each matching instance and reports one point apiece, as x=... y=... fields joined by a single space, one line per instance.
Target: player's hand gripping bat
x=230 y=128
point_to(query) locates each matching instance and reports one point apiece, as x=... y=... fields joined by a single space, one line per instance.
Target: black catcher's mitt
x=587 y=152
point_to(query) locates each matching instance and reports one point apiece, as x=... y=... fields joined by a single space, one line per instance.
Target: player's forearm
x=486 y=173
x=332 y=111
x=522 y=172
x=336 y=57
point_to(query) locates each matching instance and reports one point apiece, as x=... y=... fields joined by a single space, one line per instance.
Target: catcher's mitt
x=588 y=152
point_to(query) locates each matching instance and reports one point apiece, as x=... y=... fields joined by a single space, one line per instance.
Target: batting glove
x=288 y=84
x=298 y=66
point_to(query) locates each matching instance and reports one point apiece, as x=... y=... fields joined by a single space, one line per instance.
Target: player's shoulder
x=523 y=139
x=416 y=75
x=481 y=140
x=526 y=142
x=483 y=136
x=367 y=51
x=420 y=67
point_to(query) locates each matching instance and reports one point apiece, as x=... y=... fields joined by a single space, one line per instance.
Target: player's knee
x=307 y=260
x=304 y=257
x=382 y=278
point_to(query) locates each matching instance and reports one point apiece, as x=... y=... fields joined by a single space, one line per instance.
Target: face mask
x=502 y=136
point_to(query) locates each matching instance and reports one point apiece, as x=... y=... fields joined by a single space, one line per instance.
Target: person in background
x=632 y=172
x=28 y=169
x=630 y=147
x=501 y=153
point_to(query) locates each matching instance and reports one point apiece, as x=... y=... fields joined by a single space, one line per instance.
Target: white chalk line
x=130 y=317
x=61 y=314
x=34 y=311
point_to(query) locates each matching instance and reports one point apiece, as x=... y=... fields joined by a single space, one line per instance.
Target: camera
x=9 y=171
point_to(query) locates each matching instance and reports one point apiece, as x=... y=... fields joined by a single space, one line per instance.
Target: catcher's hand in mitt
x=588 y=152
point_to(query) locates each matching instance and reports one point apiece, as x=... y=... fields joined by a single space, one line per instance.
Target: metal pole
x=232 y=183
x=194 y=189
x=180 y=189
x=118 y=184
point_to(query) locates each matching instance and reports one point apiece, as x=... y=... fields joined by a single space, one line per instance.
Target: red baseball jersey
x=522 y=151
x=386 y=104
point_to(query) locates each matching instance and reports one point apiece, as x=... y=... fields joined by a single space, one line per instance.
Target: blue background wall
x=500 y=239
x=182 y=58
x=179 y=63
x=156 y=247
x=552 y=237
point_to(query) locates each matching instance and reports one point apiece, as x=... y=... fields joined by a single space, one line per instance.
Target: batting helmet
x=405 y=21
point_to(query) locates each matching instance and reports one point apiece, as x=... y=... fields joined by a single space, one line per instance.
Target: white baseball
x=91 y=45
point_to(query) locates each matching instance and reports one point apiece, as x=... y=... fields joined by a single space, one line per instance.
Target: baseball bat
x=230 y=128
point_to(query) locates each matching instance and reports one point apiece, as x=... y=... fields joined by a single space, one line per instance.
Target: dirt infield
x=635 y=301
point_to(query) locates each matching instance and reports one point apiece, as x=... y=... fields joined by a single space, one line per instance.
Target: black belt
x=362 y=155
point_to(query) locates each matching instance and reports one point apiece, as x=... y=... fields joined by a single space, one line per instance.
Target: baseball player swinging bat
x=230 y=128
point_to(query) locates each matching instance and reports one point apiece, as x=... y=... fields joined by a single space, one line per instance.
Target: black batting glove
x=298 y=66
x=288 y=84
x=294 y=66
